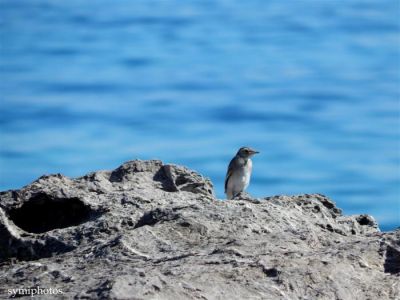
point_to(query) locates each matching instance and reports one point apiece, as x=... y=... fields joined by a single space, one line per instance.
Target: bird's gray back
x=236 y=163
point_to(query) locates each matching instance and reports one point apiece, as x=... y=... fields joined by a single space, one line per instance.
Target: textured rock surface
x=153 y=231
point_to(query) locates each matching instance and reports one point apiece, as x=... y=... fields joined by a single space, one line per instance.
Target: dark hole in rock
x=272 y=272
x=156 y=288
x=185 y=224
x=365 y=220
x=43 y=213
x=392 y=260
x=329 y=227
x=316 y=209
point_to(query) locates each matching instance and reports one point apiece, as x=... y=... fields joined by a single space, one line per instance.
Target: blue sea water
x=313 y=85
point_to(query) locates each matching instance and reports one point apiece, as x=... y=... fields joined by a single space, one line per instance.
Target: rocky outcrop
x=153 y=231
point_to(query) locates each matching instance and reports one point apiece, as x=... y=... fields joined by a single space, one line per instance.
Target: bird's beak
x=254 y=152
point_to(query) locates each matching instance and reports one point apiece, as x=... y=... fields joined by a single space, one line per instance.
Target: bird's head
x=246 y=152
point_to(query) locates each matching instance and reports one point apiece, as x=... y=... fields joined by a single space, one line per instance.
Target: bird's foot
x=245 y=196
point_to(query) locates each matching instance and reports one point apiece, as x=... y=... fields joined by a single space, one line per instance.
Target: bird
x=239 y=172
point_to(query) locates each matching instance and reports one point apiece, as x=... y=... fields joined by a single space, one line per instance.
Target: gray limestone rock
x=152 y=231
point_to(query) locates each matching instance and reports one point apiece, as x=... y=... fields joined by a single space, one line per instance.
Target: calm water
x=313 y=85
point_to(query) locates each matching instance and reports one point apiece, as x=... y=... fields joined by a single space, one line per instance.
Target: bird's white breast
x=240 y=180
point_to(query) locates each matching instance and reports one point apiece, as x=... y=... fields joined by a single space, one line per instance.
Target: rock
x=152 y=231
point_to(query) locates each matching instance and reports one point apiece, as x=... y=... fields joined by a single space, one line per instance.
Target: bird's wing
x=229 y=172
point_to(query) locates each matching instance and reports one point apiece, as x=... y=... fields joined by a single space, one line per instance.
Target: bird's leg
x=235 y=195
